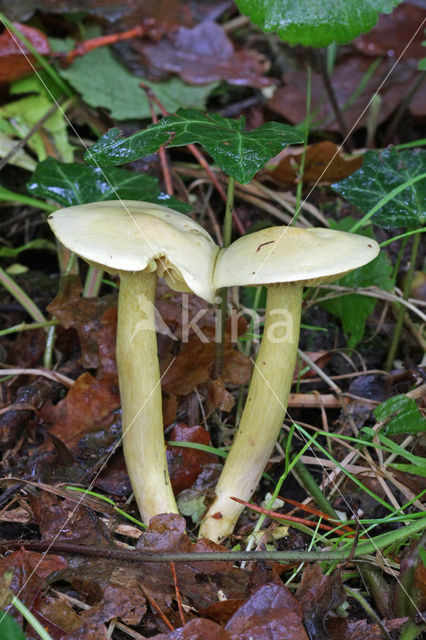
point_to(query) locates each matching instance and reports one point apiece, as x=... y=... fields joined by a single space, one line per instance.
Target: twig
x=178 y=596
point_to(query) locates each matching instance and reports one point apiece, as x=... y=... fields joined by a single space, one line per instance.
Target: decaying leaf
x=324 y=162
x=204 y=54
x=186 y=464
x=16 y=60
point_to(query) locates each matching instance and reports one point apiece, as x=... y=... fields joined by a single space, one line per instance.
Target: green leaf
x=26 y=112
x=9 y=628
x=354 y=309
x=381 y=172
x=73 y=183
x=104 y=82
x=410 y=468
x=240 y=154
x=19 y=159
x=315 y=23
x=38 y=243
x=404 y=416
x=422 y=64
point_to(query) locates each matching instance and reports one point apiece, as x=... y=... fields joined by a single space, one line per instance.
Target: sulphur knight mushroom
x=141 y=241
x=285 y=259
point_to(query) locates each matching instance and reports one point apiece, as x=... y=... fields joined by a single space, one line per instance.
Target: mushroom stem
x=264 y=410
x=140 y=391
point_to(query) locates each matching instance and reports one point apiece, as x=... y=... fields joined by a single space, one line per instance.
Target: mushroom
x=141 y=241
x=285 y=259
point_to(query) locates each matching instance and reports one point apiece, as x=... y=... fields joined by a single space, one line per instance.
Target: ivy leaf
x=73 y=183
x=354 y=309
x=316 y=24
x=404 y=416
x=104 y=82
x=240 y=154
x=381 y=172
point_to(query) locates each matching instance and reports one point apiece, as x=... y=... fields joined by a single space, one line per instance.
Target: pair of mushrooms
x=142 y=241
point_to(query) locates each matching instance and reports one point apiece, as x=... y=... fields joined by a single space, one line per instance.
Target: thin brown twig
x=157 y=607
x=178 y=596
x=161 y=151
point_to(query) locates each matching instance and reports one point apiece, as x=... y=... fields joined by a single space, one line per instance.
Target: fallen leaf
x=86 y=408
x=204 y=54
x=290 y=100
x=319 y=596
x=186 y=464
x=193 y=365
x=16 y=60
x=196 y=629
x=65 y=521
x=393 y=32
x=324 y=161
x=94 y=319
x=270 y=613
x=30 y=570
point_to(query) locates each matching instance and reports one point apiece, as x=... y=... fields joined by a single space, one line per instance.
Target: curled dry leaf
x=324 y=162
x=16 y=60
x=204 y=54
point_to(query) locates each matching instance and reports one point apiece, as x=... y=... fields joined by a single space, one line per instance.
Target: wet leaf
x=186 y=464
x=30 y=570
x=241 y=154
x=86 y=408
x=354 y=81
x=74 y=183
x=16 y=60
x=104 y=82
x=319 y=596
x=64 y=521
x=94 y=319
x=196 y=629
x=354 y=309
x=204 y=54
x=270 y=613
x=402 y=415
x=316 y=24
x=381 y=172
x=324 y=161
x=193 y=365
x=393 y=32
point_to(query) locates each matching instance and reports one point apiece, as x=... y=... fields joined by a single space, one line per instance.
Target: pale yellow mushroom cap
x=291 y=254
x=135 y=236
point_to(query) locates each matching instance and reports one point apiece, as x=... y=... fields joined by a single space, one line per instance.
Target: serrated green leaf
x=381 y=172
x=240 y=154
x=316 y=23
x=404 y=416
x=73 y=183
x=104 y=82
x=354 y=309
x=9 y=628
